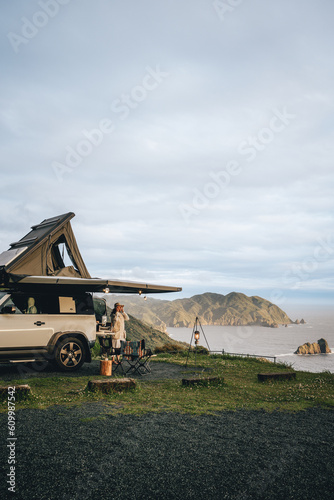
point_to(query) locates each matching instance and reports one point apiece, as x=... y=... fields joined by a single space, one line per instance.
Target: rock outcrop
x=301 y=322
x=324 y=348
x=268 y=324
x=315 y=348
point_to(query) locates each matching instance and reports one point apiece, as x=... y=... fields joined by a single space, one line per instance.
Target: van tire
x=70 y=354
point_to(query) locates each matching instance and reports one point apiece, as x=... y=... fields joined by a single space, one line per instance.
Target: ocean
x=280 y=342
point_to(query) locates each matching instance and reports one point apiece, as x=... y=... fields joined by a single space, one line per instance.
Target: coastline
x=276 y=342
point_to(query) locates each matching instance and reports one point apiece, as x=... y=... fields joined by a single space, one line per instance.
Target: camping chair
x=144 y=358
x=135 y=357
x=118 y=351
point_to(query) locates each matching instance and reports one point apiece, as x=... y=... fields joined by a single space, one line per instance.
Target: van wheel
x=70 y=354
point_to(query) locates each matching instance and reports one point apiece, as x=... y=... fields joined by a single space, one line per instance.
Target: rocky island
x=320 y=347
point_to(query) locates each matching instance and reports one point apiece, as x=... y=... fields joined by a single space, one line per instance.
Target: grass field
x=238 y=389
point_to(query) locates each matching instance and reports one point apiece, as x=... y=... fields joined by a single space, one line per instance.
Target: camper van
x=46 y=306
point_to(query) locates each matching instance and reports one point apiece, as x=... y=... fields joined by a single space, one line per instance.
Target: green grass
x=240 y=389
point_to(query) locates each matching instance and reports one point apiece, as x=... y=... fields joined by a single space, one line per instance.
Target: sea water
x=279 y=342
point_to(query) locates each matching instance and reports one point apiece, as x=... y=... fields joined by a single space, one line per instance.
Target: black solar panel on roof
x=23 y=242
x=39 y=231
x=46 y=222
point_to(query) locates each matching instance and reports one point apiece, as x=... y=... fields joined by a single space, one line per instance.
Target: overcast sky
x=193 y=139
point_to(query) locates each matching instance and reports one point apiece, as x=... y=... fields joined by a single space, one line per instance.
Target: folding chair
x=144 y=358
x=130 y=355
x=136 y=357
x=117 y=363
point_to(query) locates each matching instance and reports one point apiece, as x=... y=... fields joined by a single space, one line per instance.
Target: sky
x=193 y=139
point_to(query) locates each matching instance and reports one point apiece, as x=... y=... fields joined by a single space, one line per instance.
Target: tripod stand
x=196 y=335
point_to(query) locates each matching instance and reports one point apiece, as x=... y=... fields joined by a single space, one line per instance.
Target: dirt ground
x=27 y=370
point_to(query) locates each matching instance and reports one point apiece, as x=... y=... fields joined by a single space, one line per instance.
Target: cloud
x=224 y=82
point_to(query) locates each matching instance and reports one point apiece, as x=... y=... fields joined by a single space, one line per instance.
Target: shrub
x=96 y=349
x=202 y=350
x=168 y=348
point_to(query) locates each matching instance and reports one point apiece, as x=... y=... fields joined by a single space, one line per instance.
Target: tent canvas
x=41 y=255
x=36 y=261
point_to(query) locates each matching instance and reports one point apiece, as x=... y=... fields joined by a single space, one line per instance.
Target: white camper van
x=46 y=307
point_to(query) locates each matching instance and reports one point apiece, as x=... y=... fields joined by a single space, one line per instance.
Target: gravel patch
x=159 y=371
x=87 y=452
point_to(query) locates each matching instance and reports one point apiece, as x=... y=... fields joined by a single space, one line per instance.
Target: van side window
x=36 y=303
x=84 y=304
x=47 y=303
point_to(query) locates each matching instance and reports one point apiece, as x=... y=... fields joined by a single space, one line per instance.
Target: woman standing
x=118 y=316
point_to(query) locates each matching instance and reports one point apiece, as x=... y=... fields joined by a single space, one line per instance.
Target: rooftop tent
x=39 y=253
x=36 y=262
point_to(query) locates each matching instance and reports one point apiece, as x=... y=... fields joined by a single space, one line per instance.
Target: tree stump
x=263 y=377
x=113 y=384
x=20 y=391
x=106 y=367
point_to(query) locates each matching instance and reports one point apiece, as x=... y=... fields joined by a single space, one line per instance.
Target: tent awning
x=85 y=285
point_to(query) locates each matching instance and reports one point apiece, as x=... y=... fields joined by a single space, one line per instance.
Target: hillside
x=137 y=330
x=211 y=308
